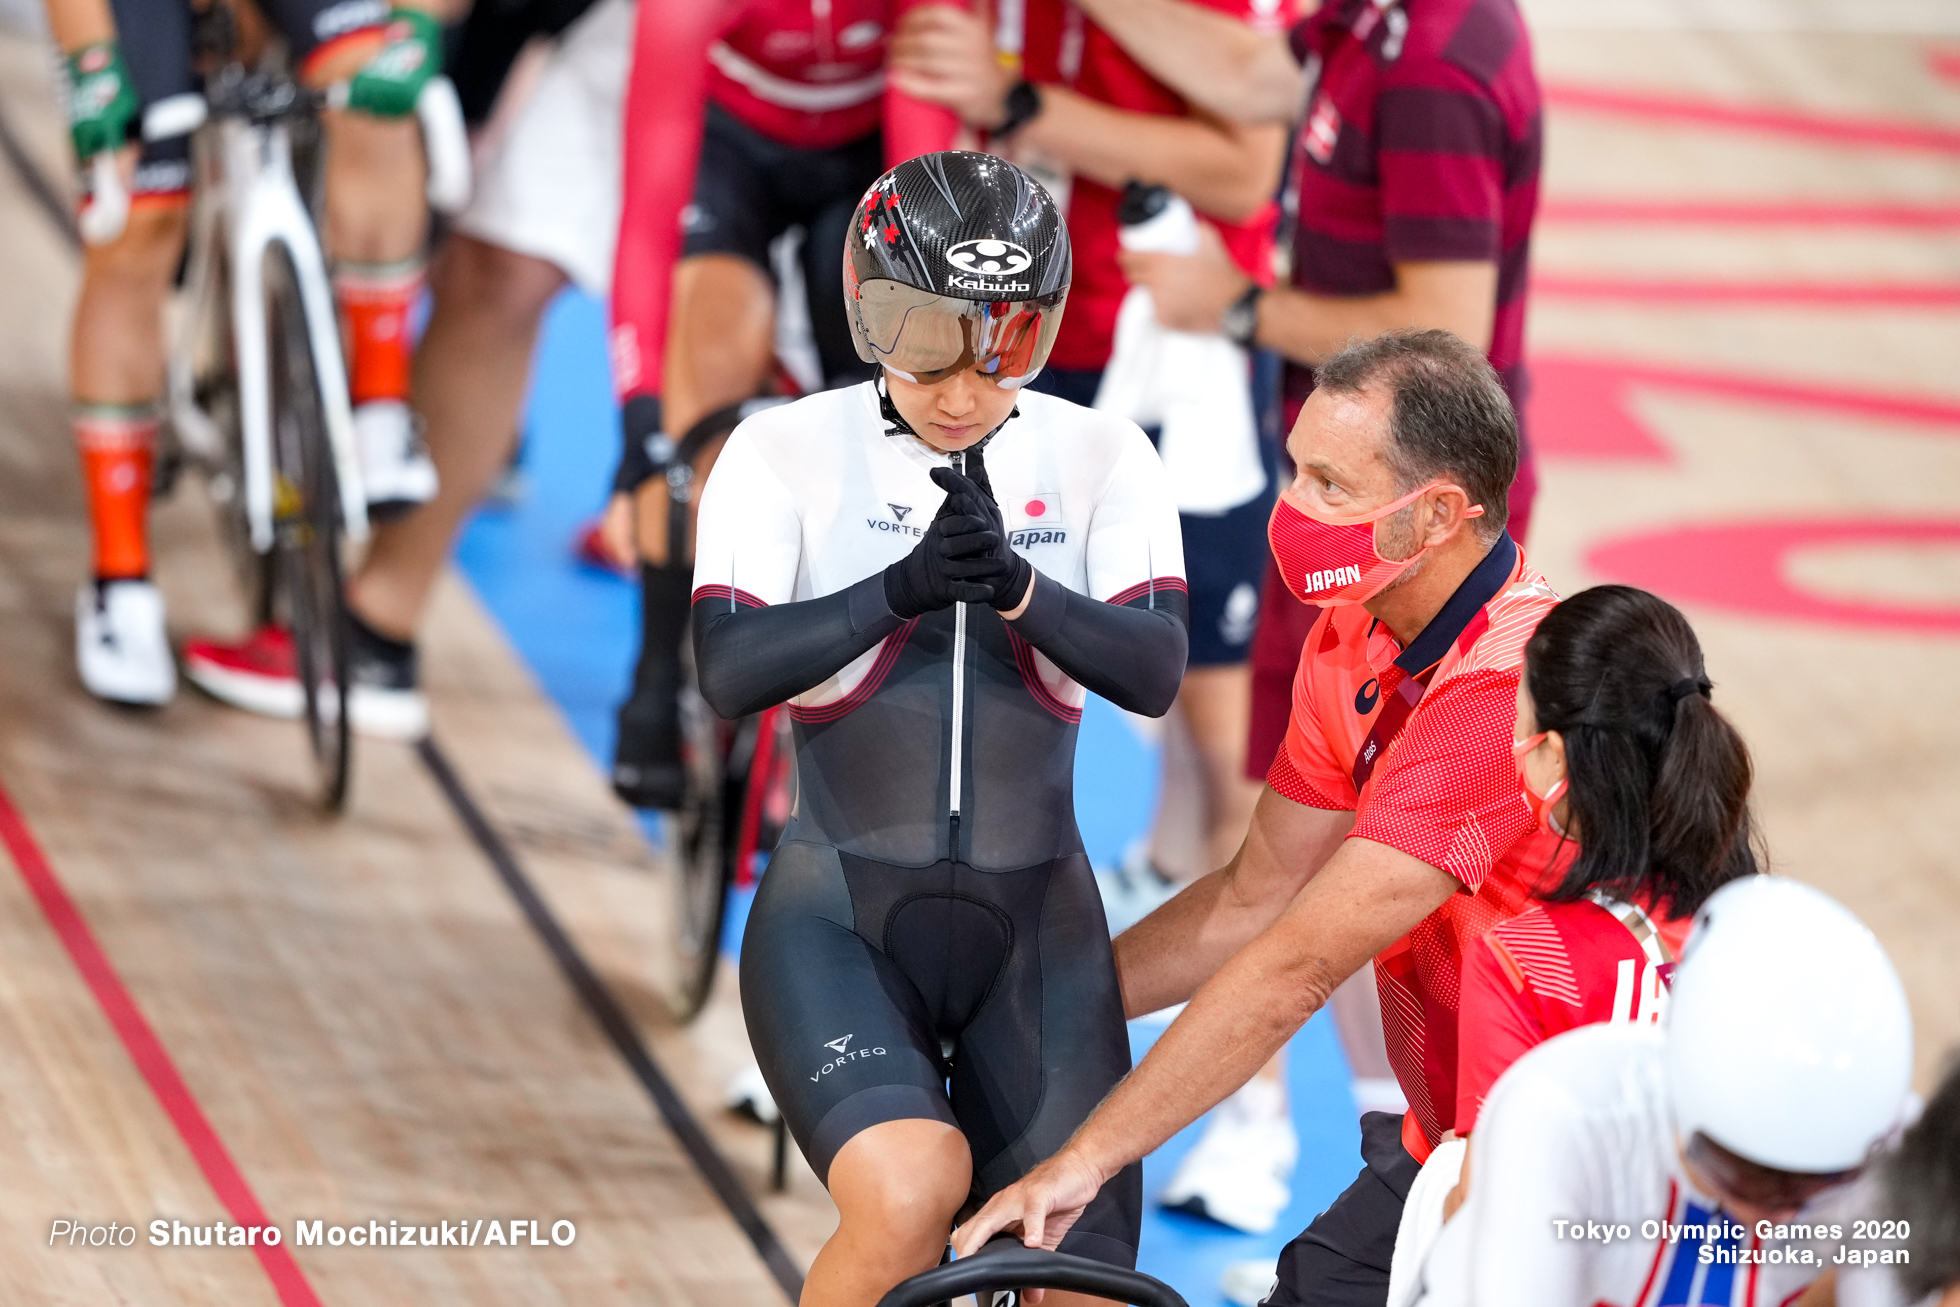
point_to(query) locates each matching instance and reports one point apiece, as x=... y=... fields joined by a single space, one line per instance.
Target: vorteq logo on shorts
x=845 y=1053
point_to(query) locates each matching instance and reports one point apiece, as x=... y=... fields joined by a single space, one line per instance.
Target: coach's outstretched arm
x=1366 y=897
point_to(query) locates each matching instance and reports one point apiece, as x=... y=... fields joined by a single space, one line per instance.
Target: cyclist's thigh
x=155 y=36
x=827 y=185
x=830 y=329
x=1052 y=1034
x=843 y=1039
x=734 y=209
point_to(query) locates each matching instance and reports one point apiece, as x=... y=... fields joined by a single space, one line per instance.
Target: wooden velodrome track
x=214 y=1003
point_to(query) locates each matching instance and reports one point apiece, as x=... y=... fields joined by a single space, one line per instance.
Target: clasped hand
x=964 y=555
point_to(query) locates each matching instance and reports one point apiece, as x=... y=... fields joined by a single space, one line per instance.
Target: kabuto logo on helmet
x=989 y=258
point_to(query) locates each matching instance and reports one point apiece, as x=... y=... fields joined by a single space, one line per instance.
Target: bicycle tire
x=702 y=840
x=1005 y=1265
x=307 y=535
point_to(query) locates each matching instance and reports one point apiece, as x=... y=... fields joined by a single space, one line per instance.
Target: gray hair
x=1449 y=415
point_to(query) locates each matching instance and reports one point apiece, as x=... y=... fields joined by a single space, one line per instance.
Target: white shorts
x=551 y=187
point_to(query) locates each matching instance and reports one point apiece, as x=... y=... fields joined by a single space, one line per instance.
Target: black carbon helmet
x=957 y=260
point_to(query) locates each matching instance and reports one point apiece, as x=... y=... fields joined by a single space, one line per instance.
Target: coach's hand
x=1044 y=1205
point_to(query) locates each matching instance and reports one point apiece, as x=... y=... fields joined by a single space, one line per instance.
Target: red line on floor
x=1771 y=213
x=140 y=1041
x=1864 y=403
x=1832 y=128
x=1745 y=292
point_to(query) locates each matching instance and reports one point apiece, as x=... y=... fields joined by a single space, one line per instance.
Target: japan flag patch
x=1043 y=508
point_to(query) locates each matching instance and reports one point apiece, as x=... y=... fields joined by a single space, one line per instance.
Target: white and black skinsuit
x=932 y=882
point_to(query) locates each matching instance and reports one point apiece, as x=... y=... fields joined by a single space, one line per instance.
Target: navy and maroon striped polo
x=1421 y=143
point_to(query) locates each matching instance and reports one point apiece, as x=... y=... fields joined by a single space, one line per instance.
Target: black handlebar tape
x=1006 y=1264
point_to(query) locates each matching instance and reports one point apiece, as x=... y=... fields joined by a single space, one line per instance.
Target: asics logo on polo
x=845 y=1053
x=1365 y=697
x=989 y=258
x=1333 y=576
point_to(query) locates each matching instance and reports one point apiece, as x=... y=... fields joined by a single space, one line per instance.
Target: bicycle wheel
x=219 y=449
x=702 y=841
x=307 y=530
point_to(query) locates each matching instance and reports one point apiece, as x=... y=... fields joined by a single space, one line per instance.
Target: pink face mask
x=1541 y=805
x=1333 y=561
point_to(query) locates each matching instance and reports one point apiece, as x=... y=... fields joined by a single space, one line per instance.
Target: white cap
x=1789 y=1041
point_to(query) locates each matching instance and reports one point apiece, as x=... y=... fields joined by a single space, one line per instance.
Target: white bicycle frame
x=248 y=202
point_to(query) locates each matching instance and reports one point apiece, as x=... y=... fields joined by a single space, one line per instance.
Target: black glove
x=956 y=548
x=639 y=428
x=1012 y=574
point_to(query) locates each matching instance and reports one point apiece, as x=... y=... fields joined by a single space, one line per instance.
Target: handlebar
x=265 y=98
x=1005 y=1264
x=446 y=144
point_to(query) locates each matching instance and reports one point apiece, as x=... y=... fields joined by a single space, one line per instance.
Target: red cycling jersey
x=1552 y=968
x=806 y=73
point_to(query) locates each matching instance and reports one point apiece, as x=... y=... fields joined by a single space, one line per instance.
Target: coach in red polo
x=1392 y=826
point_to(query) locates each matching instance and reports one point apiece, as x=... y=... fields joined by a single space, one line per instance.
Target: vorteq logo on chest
x=895 y=524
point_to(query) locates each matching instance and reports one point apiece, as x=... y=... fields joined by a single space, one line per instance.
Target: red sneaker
x=260 y=674
x=589 y=547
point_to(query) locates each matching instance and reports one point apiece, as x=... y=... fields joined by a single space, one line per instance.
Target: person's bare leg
x=374 y=174
x=116 y=349
x=471 y=371
x=720 y=343
x=1217 y=703
x=1179 y=840
x=897 y=1187
x=1357 y=1013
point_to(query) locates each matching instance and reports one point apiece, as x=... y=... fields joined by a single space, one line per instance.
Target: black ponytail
x=1659 y=780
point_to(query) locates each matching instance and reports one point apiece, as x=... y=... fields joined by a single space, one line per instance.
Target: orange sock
x=118 y=444
x=377 y=298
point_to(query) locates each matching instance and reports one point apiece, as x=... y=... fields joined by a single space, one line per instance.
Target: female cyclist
x=932 y=569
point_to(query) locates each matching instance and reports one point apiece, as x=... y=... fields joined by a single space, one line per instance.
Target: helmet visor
x=926 y=338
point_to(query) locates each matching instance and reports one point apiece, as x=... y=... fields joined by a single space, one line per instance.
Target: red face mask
x=1333 y=561
x=1541 y=805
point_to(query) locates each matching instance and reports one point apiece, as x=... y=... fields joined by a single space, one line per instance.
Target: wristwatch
x=1023 y=105
x=1240 y=323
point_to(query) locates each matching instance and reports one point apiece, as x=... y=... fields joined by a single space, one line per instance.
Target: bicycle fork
x=269 y=212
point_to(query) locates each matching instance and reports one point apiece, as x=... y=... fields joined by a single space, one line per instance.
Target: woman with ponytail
x=1621 y=752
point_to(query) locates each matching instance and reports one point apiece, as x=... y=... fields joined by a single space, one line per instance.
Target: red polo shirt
x=1101 y=71
x=1444 y=789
